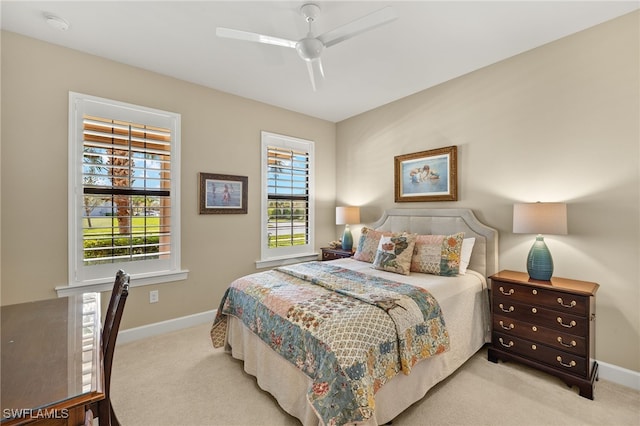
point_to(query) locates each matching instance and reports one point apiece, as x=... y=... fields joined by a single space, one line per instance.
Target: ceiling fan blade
x=258 y=38
x=360 y=25
x=316 y=73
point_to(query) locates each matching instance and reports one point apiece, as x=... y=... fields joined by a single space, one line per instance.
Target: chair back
x=114 y=311
x=109 y=336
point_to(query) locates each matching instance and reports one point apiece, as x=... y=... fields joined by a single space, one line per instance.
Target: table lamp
x=540 y=218
x=345 y=216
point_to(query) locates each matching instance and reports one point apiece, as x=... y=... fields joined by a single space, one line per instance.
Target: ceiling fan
x=310 y=47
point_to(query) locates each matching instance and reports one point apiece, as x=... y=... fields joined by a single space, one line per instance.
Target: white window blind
x=288 y=197
x=287 y=204
x=127 y=178
x=124 y=174
x=90 y=358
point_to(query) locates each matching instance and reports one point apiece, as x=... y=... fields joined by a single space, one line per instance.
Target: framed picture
x=223 y=194
x=427 y=176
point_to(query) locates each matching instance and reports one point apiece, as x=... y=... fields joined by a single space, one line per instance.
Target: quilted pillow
x=437 y=254
x=394 y=253
x=368 y=244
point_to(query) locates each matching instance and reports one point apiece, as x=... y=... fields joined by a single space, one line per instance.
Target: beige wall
x=220 y=134
x=558 y=123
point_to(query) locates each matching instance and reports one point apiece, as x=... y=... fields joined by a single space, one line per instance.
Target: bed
x=457 y=326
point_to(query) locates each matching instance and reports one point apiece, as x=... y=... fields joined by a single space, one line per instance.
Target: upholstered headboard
x=484 y=258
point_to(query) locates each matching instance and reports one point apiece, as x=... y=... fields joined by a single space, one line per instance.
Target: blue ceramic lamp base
x=347 y=239
x=539 y=261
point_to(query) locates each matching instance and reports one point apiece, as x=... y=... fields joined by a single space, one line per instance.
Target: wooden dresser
x=549 y=325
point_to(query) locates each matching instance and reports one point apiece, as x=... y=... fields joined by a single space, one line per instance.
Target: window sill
x=288 y=260
x=136 y=281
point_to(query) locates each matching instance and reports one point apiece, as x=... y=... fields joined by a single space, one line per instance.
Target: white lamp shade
x=347 y=215
x=540 y=218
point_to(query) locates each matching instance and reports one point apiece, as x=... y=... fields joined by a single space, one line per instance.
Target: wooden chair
x=104 y=410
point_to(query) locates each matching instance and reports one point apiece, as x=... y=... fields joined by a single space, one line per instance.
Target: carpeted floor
x=179 y=379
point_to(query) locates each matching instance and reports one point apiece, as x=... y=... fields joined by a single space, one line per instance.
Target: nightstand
x=548 y=325
x=335 y=253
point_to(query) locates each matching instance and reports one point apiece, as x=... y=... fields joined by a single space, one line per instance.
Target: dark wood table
x=51 y=360
x=329 y=253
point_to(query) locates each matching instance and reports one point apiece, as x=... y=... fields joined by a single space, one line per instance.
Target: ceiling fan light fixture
x=309 y=48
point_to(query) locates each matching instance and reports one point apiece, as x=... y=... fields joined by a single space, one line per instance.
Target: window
x=123 y=193
x=287 y=199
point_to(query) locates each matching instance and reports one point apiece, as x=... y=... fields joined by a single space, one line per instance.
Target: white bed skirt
x=466 y=316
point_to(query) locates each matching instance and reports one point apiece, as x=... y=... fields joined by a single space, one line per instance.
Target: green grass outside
x=284 y=240
x=101 y=225
x=139 y=225
x=141 y=240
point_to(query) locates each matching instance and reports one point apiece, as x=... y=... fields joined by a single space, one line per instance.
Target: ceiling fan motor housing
x=309 y=48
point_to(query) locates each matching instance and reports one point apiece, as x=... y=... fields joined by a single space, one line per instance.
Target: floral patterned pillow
x=368 y=244
x=394 y=253
x=437 y=254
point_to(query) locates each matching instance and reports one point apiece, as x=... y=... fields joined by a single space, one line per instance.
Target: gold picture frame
x=427 y=175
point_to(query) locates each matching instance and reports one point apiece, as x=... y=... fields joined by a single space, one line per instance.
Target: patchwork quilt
x=347 y=331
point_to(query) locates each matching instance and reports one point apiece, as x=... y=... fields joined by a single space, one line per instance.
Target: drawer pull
x=569 y=345
x=571 y=324
x=506 y=345
x=570 y=305
x=510 y=327
x=511 y=308
x=506 y=293
x=571 y=364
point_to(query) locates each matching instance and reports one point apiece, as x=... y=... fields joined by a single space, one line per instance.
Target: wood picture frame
x=223 y=194
x=427 y=175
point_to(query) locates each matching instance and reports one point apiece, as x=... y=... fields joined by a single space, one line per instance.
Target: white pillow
x=465 y=254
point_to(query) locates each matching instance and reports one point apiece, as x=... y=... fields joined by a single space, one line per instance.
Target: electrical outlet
x=153 y=296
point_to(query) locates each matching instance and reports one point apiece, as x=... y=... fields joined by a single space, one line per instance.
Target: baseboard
x=619 y=375
x=610 y=372
x=137 y=333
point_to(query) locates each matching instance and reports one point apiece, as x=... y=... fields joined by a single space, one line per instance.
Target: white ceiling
x=430 y=42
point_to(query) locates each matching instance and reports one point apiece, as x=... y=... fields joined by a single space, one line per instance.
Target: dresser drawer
x=536 y=333
x=560 y=360
x=539 y=316
x=329 y=256
x=551 y=299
